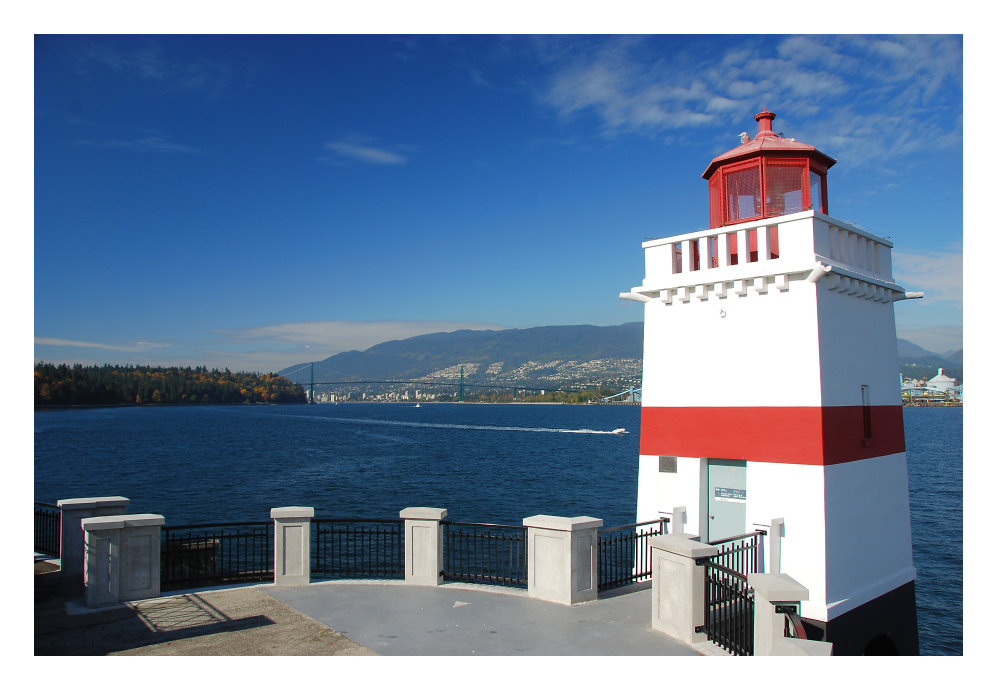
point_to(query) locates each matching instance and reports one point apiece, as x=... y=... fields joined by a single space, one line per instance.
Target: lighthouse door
x=726 y=502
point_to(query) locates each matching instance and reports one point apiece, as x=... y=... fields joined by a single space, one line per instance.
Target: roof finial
x=764 y=120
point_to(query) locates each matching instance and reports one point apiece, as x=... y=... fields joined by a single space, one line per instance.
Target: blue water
x=483 y=463
x=934 y=467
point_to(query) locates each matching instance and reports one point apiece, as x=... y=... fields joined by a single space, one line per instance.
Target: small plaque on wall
x=668 y=463
x=728 y=495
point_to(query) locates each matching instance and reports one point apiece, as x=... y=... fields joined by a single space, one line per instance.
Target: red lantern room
x=766 y=176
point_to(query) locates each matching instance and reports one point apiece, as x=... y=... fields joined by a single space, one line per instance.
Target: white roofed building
x=941 y=382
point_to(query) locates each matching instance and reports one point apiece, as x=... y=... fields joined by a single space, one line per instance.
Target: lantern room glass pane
x=784 y=189
x=816 y=200
x=744 y=194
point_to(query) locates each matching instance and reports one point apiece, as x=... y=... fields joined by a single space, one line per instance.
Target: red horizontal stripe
x=795 y=435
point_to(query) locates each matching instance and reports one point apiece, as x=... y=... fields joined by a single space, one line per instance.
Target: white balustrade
x=784 y=245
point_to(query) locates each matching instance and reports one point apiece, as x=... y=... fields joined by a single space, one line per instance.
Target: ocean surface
x=483 y=463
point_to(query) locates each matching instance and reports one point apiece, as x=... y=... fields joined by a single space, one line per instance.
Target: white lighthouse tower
x=770 y=397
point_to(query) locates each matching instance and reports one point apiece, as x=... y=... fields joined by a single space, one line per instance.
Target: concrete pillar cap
x=777 y=587
x=562 y=524
x=687 y=545
x=144 y=520
x=92 y=524
x=102 y=501
x=423 y=513
x=120 y=521
x=292 y=513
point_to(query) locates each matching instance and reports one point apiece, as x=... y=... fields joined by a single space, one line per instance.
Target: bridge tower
x=770 y=398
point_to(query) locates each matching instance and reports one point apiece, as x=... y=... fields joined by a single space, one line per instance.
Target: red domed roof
x=766 y=142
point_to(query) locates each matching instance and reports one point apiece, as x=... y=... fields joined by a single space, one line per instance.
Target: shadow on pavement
x=124 y=627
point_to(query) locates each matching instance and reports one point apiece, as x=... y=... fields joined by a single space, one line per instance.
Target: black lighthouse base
x=886 y=625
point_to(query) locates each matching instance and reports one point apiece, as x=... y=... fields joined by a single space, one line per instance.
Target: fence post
x=678 y=586
x=423 y=545
x=563 y=558
x=121 y=554
x=71 y=511
x=678 y=520
x=292 y=535
x=771 y=590
x=775 y=545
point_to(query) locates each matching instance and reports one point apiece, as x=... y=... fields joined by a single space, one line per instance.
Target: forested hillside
x=507 y=349
x=60 y=384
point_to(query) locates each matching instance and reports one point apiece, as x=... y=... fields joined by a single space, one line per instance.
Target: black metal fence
x=216 y=554
x=739 y=553
x=729 y=602
x=484 y=553
x=47 y=528
x=625 y=553
x=242 y=552
x=355 y=548
x=729 y=610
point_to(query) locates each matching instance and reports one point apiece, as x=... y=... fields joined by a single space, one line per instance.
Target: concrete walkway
x=454 y=620
x=236 y=621
x=345 y=619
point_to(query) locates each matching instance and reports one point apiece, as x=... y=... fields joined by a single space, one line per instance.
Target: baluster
x=723 y=250
x=762 y=235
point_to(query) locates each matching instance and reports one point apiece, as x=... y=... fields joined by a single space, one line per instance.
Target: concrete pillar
x=72 y=510
x=140 y=557
x=292 y=538
x=779 y=589
x=102 y=555
x=678 y=589
x=423 y=545
x=563 y=558
x=121 y=555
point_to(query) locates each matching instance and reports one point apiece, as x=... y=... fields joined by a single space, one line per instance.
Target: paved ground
x=373 y=618
x=394 y=619
x=226 y=622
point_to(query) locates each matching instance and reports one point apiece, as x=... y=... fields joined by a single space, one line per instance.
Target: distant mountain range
x=916 y=362
x=546 y=356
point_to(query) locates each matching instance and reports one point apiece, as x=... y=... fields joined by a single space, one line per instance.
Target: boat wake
x=471 y=427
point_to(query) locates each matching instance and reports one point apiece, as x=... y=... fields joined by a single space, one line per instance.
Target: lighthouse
x=770 y=399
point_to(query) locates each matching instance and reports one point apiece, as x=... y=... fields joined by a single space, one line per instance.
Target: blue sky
x=252 y=203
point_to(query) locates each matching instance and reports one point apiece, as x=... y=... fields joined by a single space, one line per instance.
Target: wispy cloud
x=938 y=274
x=141 y=60
x=152 y=63
x=878 y=95
x=345 y=150
x=143 y=145
x=137 y=346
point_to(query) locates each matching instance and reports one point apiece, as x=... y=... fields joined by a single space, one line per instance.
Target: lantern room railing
x=765 y=247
